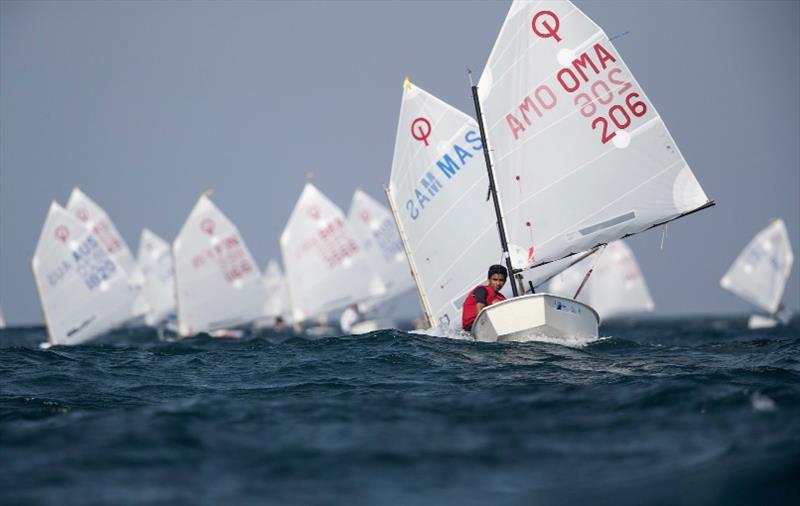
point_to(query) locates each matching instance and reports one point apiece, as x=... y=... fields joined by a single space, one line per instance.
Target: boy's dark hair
x=497 y=269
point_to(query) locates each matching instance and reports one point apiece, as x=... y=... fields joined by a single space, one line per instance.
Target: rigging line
x=589 y=273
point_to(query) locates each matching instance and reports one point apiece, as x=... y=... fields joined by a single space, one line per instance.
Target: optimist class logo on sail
x=595 y=82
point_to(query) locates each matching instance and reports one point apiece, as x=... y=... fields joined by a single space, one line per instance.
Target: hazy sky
x=145 y=105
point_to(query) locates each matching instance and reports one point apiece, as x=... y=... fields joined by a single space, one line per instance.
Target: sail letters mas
x=446 y=168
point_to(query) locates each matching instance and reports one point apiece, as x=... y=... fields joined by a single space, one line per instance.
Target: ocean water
x=679 y=411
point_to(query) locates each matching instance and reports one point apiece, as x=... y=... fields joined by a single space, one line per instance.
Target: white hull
x=364 y=327
x=536 y=317
x=761 y=322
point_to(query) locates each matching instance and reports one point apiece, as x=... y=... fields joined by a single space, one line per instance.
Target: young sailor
x=350 y=317
x=484 y=295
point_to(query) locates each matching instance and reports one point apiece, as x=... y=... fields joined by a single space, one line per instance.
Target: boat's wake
x=462 y=335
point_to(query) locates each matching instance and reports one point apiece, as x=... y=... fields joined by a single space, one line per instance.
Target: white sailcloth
x=84 y=292
x=2 y=319
x=155 y=269
x=217 y=283
x=373 y=225
x=326 y=268
x=438 y=186
x=760 y=272
x=277 y=298
x=97 y=220
x=581 y=156
x=616 y=286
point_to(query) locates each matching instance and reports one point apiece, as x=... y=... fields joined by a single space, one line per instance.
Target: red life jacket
x=469 y=311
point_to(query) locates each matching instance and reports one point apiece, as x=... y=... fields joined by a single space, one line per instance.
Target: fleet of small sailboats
x=567 y=157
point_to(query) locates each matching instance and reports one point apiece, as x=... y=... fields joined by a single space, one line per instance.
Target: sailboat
x=97 y=220
x=375 y=229
x=616 y=287
x=154 y=267
x=326 y=268
x=576 y=155
x=760 y=272
x=84 y=292
x=437 y=194
x=2 y=319
x=217 y=284
x=276 y=303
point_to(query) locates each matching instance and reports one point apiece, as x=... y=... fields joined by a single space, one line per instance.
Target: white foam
x=761 y=402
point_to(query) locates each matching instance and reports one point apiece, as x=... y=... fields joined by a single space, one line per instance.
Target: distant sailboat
x=276 y=303
x=2 y=319
x=577 y=156
x=326 y=268
x=84 y=292
x=217 y=284
x=155 y=269
x=97 y=220
x=760 y=272
x=616 y=287
x=374 y=226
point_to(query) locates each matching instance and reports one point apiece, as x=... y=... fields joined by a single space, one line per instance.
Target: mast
x=296 y=327
x=501 y=228
x=423 y=298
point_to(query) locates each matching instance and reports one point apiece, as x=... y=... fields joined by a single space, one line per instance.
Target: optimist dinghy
x=154 y=265
x=326 y=267
x=577 y=155
x=84 y=292
x=760 y=272
x=217 y=284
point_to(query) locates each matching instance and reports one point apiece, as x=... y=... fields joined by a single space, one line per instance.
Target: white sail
x=326 y=269
x=760 y=272
x=83 y=291
x=217 y=283
x=155 y=269
x=438 y=186
x=97 y=220
x=616 y=286
x=374 y=226
x=581 y=156
x=277 y=298
x=2 y=319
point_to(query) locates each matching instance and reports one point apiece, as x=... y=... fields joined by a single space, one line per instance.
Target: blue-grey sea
x=694 y=411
